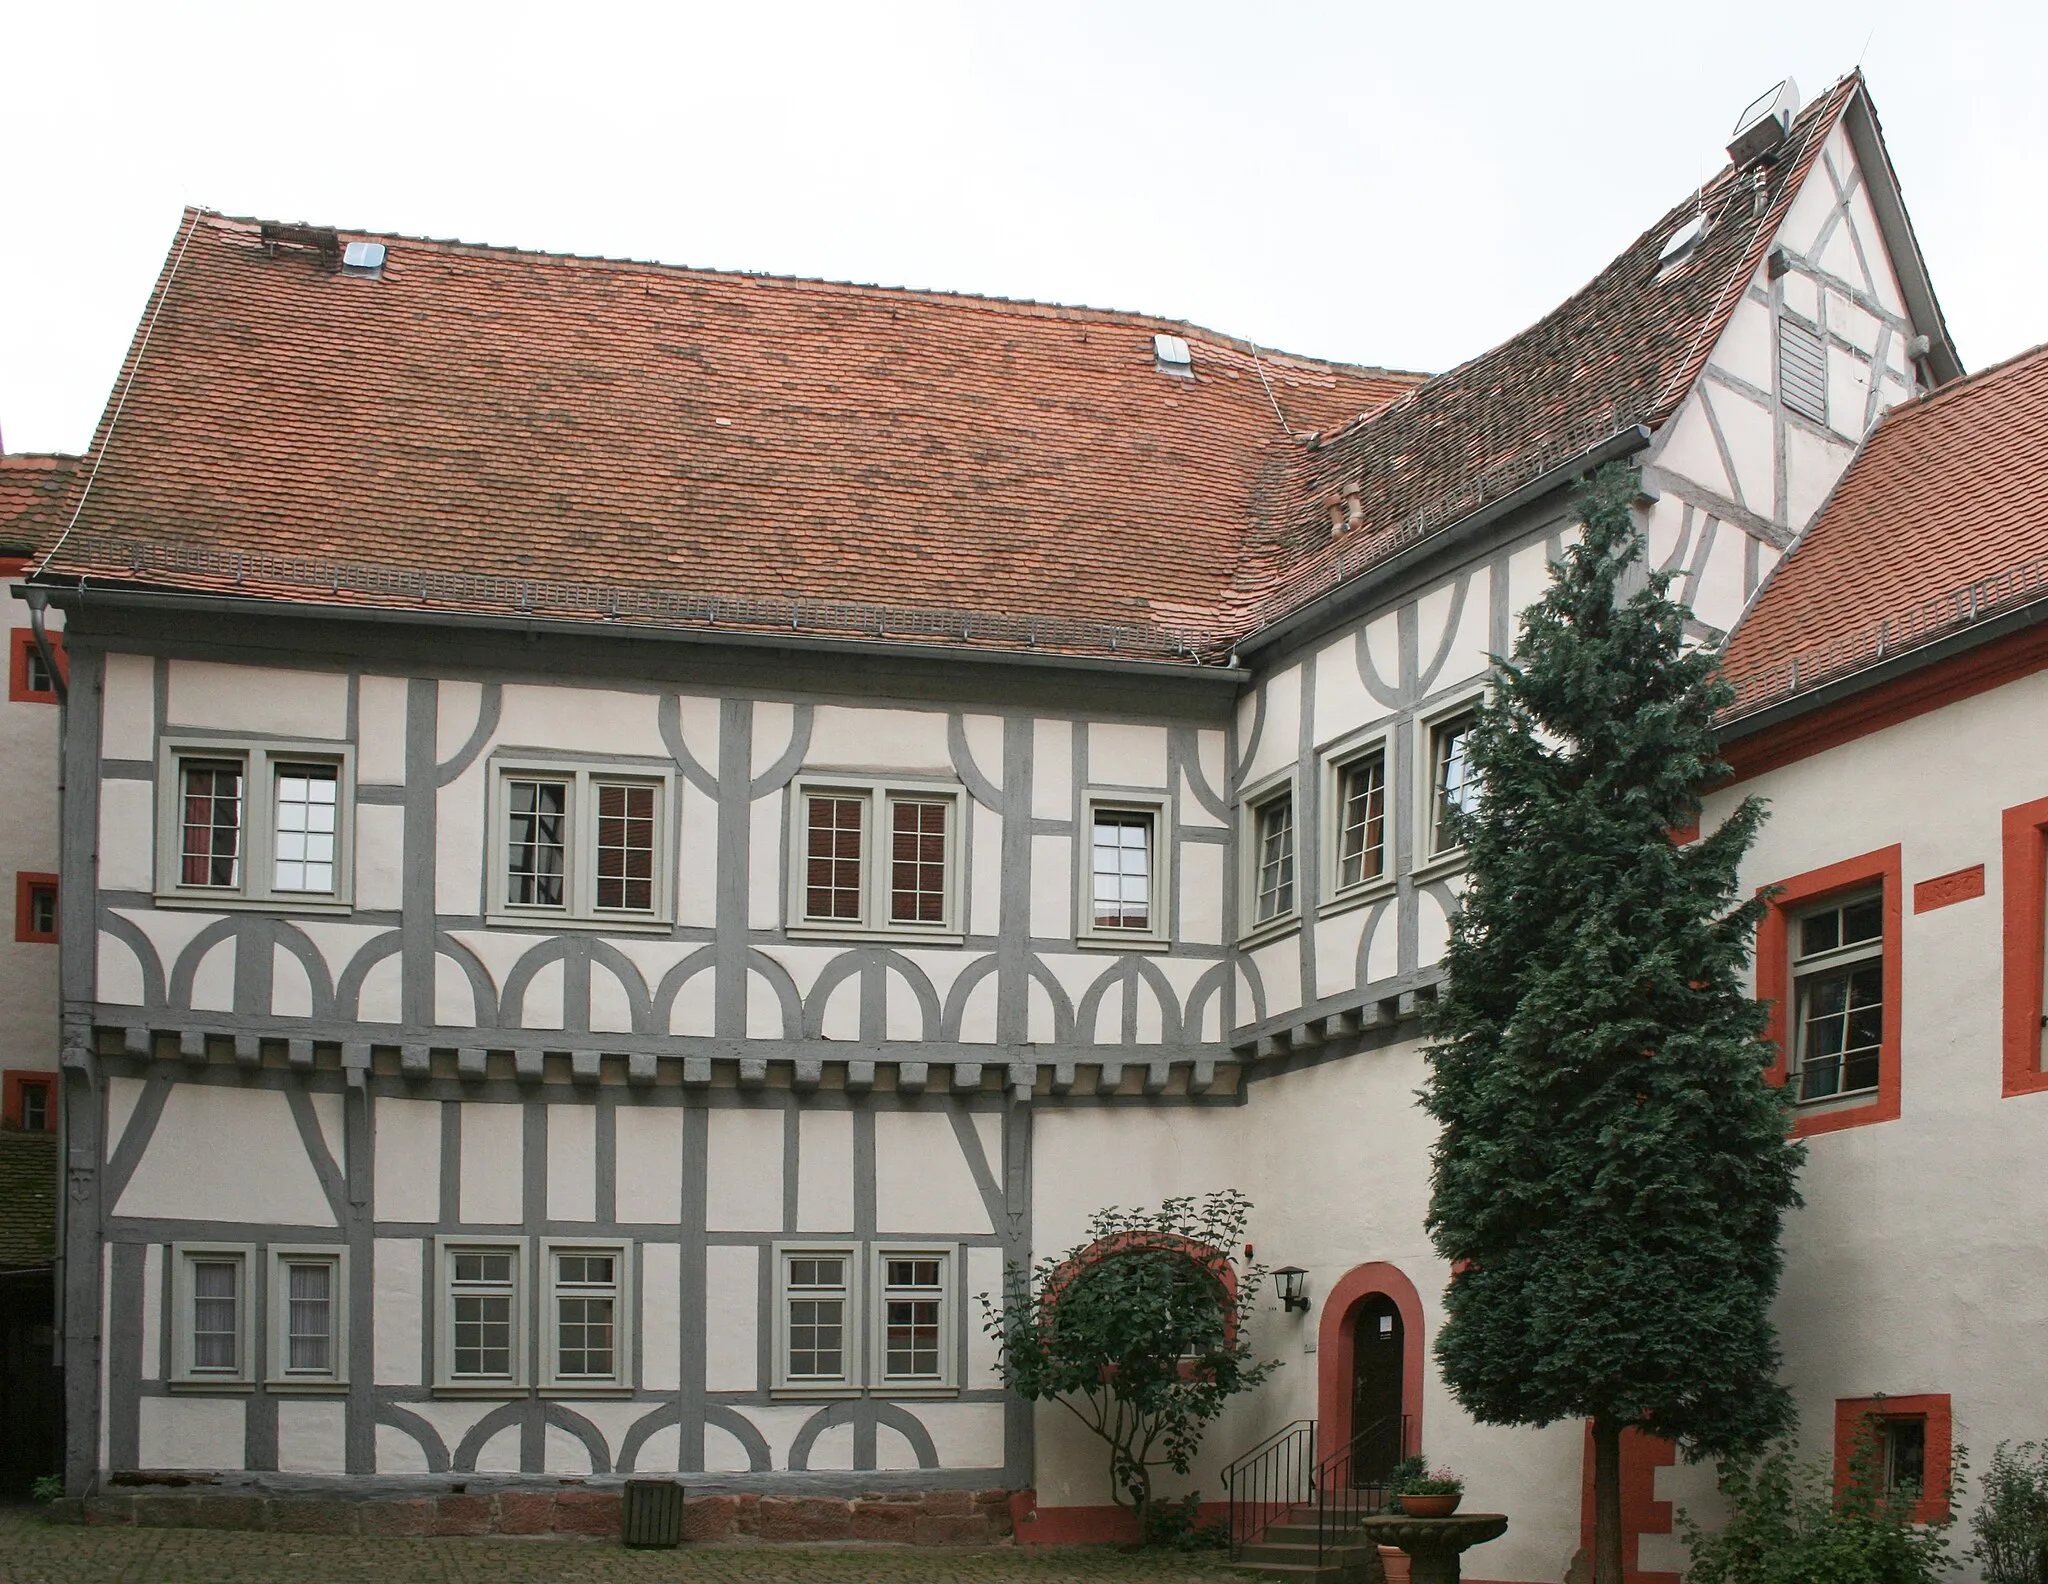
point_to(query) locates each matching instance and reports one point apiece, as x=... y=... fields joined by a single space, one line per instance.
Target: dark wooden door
x=1378 y=1354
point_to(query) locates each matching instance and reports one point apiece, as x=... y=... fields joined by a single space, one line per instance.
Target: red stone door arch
x=1361 y=1297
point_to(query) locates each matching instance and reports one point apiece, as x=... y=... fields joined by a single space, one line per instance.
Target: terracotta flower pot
x=1431 y=1506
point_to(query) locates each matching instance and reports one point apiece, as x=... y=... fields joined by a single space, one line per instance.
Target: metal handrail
x=1340 y=1500
x=1270 y=1481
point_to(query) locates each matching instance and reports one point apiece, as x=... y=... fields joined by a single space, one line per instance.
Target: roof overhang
x=1867 y=138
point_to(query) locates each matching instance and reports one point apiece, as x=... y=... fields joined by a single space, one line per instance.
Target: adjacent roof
x=1938 y=523
x=28 y=1199
x=479 y=428
x=33 y=492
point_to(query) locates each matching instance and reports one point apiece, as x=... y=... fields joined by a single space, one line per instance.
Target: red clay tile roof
x=1938 y=522
x=1623 y=351
x=34 y=491
x=484 y=428
x=682 y=435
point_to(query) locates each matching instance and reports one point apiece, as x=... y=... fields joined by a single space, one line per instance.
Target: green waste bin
x=652 y=1515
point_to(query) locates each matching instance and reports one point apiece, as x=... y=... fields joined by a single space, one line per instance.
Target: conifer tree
x=1612 y=1169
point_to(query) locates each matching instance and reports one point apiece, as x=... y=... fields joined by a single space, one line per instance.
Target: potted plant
x=1425 y=1492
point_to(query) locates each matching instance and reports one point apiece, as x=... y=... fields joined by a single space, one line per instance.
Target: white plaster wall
x=246 y=698
x=732 y=1281
x=649 y=1164
x=408 y=1160
x=398 y=1285
x=744 y=1193
x=922 y=1180
x=493 y=1158
x=578 y=719
x=1909 y=1269
x=189 y=1173
x=879 y=739
x=28 y=837
x=192 y=1432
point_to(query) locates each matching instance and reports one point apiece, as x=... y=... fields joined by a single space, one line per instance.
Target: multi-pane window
x=35 y=908
x=305 y=807
x=832 y=854
x=211 y=849
x=262 y=822
x=1121 y=869
x=1453 y=786
x=1903 y=1442
x=1361 y=820
x=870 y=856
x=37 y=1115
x=625 y=846
x=816 y=1295
x=1273 y=858
x=537 y=842
x=917 y=860
x=586 y=1315
x=309 y=1316
x=308 y=1302
x=38 y=679
x=210 y=1314
x=29 y=679
x=1838 y=997
x=913 y=1314
x=483 y=1295
x=582 y=844
x=42 y=909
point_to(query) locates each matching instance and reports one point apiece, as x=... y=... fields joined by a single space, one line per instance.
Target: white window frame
x=1251 y=802
x=579 y=909
x=1802 y=970
x=852 y=1350
x=446 y=1381
x=947 y=1381
x=620 y=1381
x=1337 y=760
x=279 y=1376
x=260 y=759
x=1159 y=933
x=185 y=1374
x=875 y=794
x=1429 y=859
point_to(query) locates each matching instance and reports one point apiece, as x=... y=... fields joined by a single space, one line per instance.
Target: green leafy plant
x=1409 y=1468
x=1788 y=1524
x=47 y=1487
x=1140 y=1333
x=2011 y=1521
x=1176 y=1525
x=1612 y=1169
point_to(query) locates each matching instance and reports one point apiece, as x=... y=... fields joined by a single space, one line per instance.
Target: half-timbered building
x=632 y=835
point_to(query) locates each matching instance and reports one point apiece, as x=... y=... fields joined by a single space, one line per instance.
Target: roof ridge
x=1968 y=385
x=993 y=302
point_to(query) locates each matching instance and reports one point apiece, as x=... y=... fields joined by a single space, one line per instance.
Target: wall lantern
x=1291 y=1282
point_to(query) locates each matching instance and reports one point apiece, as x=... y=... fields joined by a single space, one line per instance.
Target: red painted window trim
x=11 y=1085
x=1337 y=1350
x=2025 y=879
x=1853 y=1413
x=24 y=885
x=21 y=644
x=1774 y=978
x=1641 y=1512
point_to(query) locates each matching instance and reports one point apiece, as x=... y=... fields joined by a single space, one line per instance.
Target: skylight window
x=1683 y=242
x=1173 y=354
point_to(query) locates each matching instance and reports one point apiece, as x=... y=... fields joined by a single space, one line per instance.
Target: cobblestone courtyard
x=33 y=1551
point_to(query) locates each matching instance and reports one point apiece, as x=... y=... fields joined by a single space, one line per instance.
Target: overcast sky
x=1394 y=184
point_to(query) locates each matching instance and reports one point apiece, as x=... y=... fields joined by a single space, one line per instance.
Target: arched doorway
x=1369 y=1370
x=1379 y=1361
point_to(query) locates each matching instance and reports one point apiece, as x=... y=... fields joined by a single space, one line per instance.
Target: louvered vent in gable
x=1802 y=370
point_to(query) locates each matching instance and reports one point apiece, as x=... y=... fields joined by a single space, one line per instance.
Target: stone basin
x=1432 y=1544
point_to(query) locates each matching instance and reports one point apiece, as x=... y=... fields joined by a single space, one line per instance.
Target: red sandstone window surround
x=1803 y=973
x=1914 y=1438
x=2025 y=883
x=35 y=908
x=28 y=679
x=28 y=1101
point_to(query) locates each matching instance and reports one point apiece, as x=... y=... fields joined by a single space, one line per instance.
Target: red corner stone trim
x=1947 y=890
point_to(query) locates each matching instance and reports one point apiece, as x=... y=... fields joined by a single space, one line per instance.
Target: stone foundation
x=904 y=1517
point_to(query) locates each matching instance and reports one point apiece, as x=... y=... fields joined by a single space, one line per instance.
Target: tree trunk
x=1606 y=1501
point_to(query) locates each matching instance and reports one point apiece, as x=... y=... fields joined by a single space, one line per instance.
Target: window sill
x=814 y=1393
x=498 y=1389
x=1357 y=897
x=898 y=935
x=306 y=1388
x=594 y=1390
x=237 y=902
x=1439 y=867
x=1094 y=940
x=212 y=1388
x=910 y=1393
x=1271 y=930
x=568 y=921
